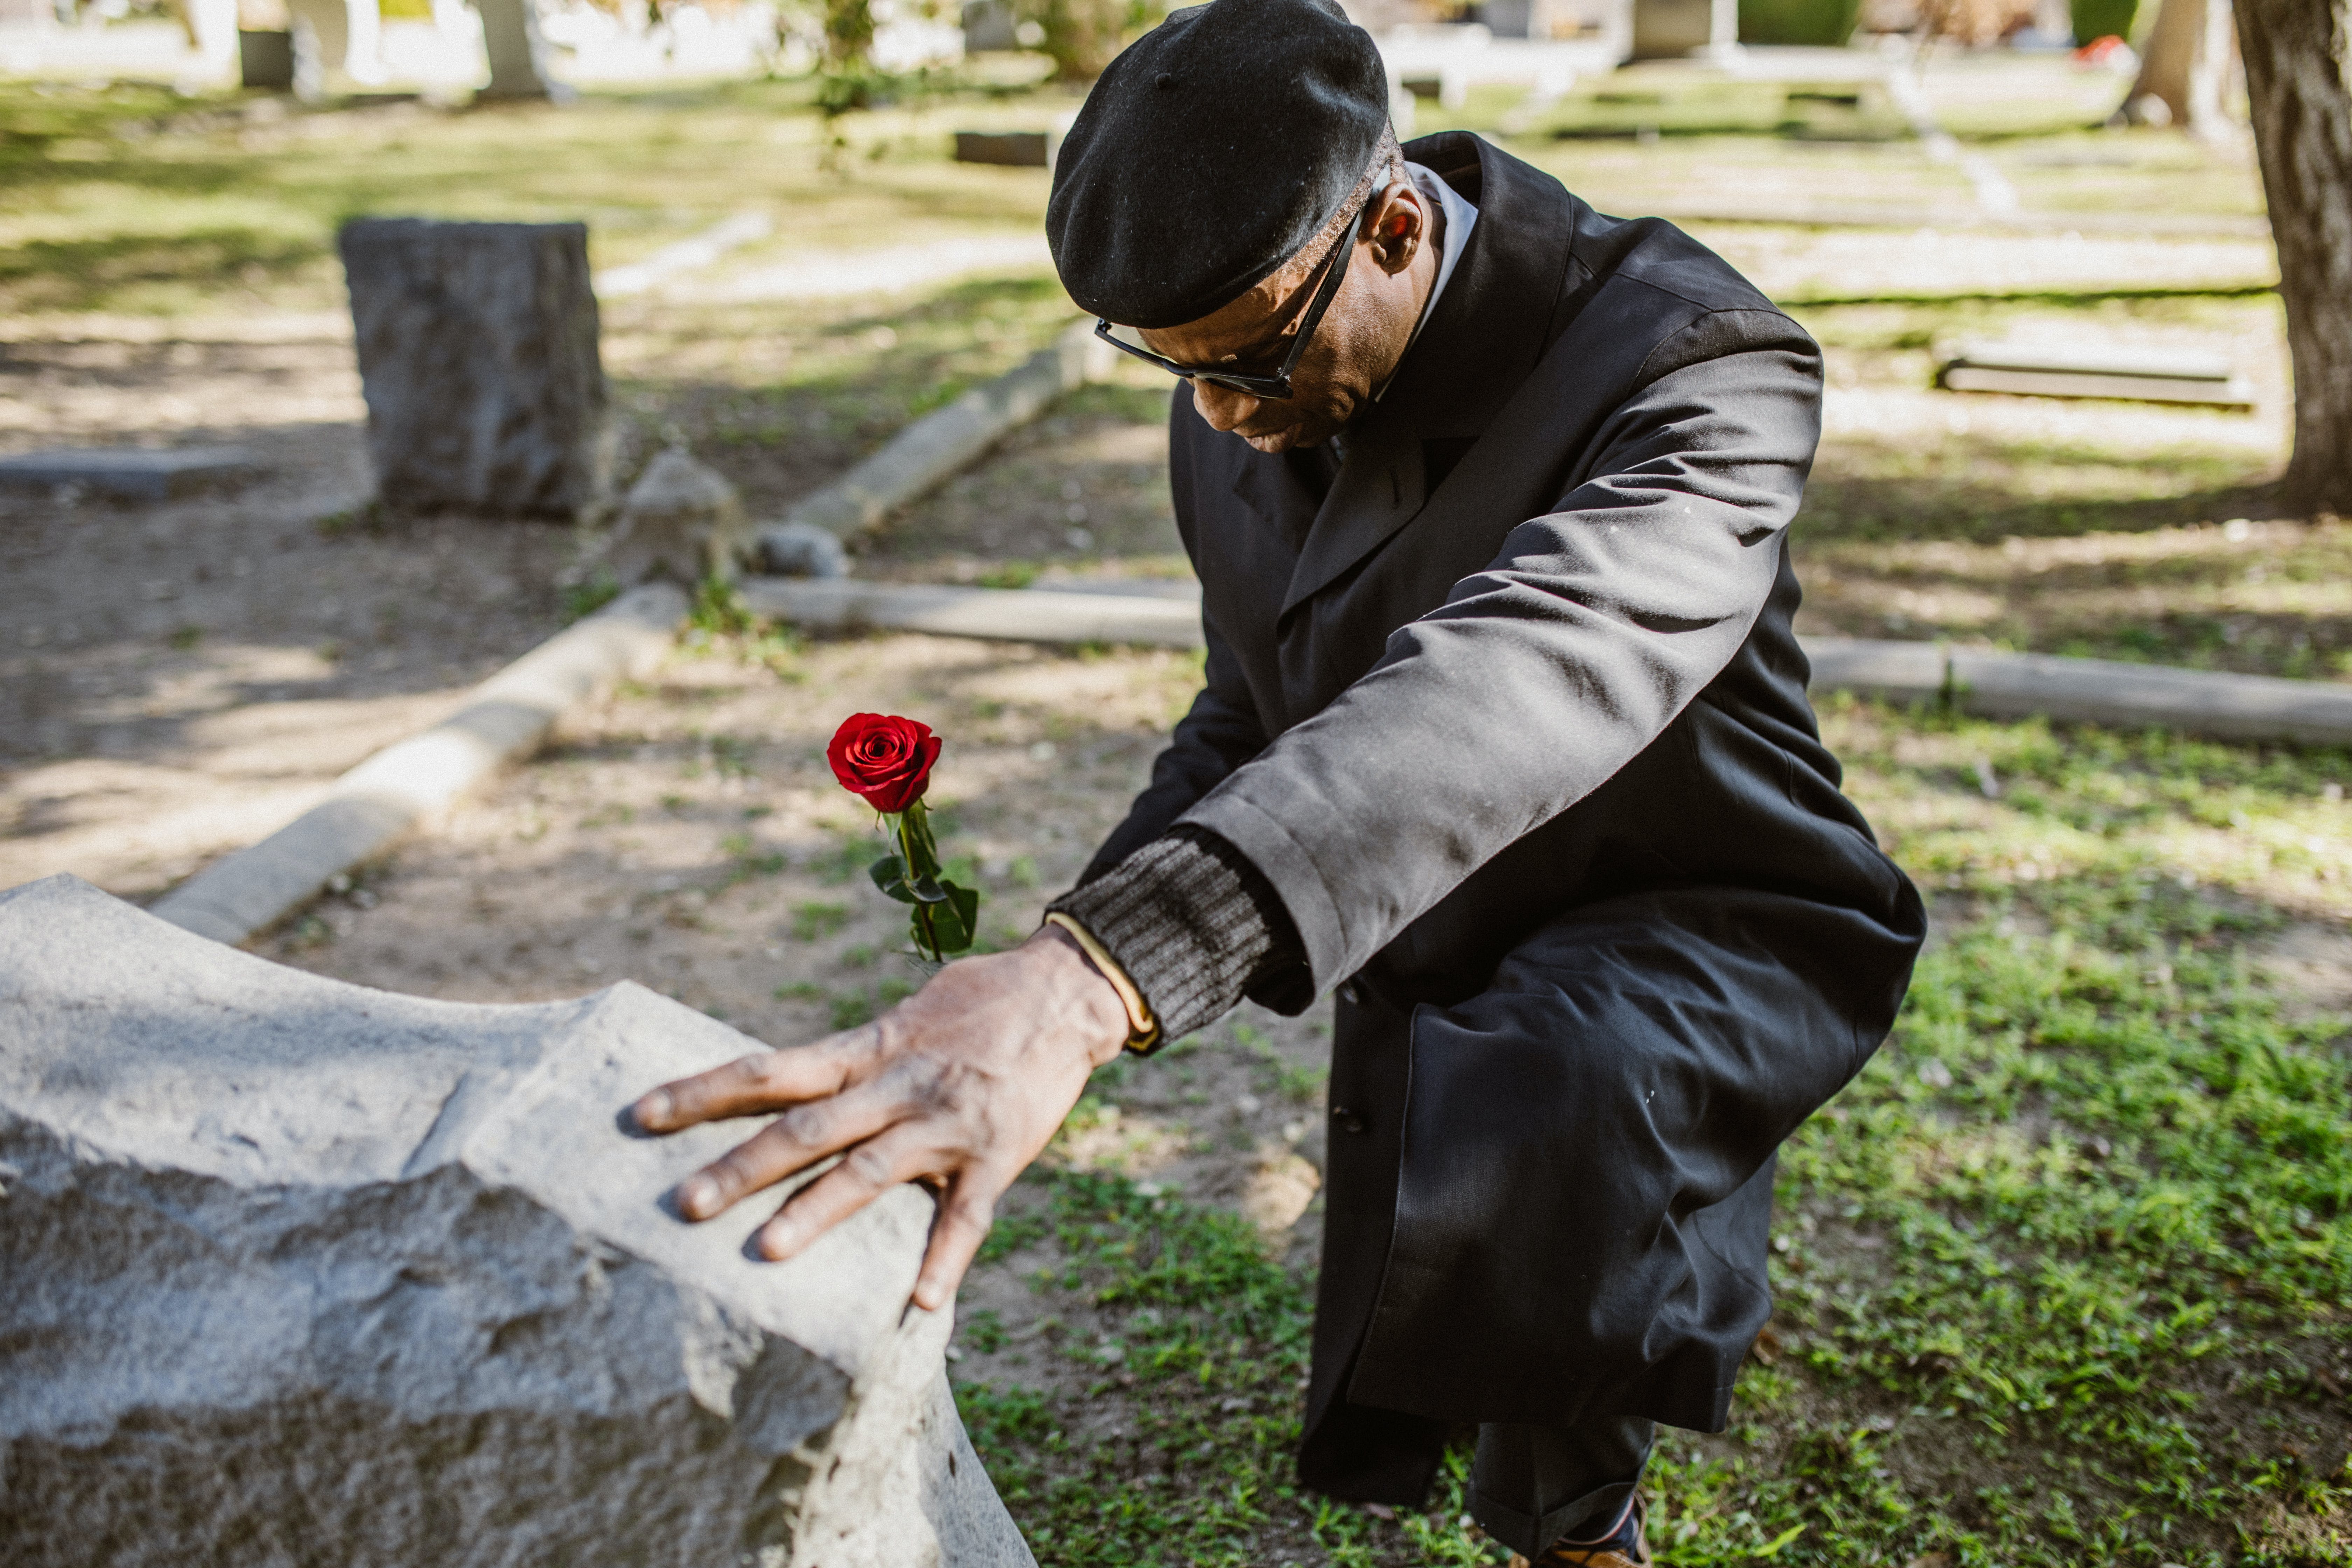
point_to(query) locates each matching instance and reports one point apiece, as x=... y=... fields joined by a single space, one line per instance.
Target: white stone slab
x=1890 y=671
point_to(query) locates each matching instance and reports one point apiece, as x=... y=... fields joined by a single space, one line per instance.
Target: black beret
x=1212 y=150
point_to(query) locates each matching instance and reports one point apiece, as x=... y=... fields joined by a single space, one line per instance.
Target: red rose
x=886 y=759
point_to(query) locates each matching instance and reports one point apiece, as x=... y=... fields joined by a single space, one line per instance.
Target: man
x=1504 y=736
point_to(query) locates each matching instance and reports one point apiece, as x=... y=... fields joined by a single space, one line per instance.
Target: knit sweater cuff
x=1191 y=920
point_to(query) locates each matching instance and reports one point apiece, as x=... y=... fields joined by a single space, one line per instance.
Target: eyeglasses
x=1274 y=388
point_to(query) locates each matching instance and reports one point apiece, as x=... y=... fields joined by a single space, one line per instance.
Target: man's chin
x=1286 y=438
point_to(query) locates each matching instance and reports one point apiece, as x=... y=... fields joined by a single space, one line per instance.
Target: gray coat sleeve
x=1548 y=670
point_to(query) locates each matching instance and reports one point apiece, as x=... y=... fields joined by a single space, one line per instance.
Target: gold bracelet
x=1142 y=1028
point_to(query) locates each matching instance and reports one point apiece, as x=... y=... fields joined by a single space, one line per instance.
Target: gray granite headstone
x=264 y=59
x=479 y=357
x=301 y=1273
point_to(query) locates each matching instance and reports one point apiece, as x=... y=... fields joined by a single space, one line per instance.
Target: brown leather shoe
x=1562 y=1556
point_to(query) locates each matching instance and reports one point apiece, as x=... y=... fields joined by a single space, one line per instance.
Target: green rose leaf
x=891 y=878
x=965 y=901
x=954 y=920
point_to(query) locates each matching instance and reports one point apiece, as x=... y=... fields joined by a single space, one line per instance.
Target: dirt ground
x=178 y=679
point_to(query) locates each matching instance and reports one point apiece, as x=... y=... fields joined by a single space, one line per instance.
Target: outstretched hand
x=959 y=1087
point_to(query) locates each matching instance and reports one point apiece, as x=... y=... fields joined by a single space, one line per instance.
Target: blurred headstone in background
x=682 y=521
x=478 y=358
x=518 y=55
x=2186 y=68
x=1674 y=29
x=265 y=45
x=265 y=58
x=1018 y=149
x=989 y=24
x=335 y=38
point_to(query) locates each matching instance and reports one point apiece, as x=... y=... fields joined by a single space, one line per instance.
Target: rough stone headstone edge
x=488 y=1136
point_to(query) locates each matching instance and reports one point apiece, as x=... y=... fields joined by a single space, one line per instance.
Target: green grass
x=129 y=200
x=2064 y=1276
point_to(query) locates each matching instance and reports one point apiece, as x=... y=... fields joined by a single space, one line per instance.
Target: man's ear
x=1400 y=226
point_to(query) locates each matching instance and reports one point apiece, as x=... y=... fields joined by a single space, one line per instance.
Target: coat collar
x=1484 y=338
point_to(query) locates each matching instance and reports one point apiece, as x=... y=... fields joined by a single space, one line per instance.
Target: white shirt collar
x=1459 y=216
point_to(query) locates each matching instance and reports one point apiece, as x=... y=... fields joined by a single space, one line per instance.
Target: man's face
x=1355 y=348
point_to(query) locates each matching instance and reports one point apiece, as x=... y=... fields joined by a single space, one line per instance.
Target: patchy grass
x=2066 y=1276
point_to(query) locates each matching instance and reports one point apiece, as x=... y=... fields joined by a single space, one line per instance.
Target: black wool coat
x=1513 y=720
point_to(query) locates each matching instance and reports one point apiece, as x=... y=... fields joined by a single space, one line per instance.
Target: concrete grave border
x=942 y=443
x=131 y=473
x=408 y=783
x=1995 y=684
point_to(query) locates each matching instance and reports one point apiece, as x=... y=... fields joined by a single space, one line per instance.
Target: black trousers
x=1532 y=1486
x=1548 y=1200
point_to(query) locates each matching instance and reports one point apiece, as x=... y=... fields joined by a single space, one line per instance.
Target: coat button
x=1346 y=1120
x=1349 y=994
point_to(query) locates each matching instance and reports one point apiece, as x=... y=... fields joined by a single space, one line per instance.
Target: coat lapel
x=1268 y=487
x=1503 y=290
x=1377 y=491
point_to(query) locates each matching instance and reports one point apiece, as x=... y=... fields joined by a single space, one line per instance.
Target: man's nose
x=1222 y=406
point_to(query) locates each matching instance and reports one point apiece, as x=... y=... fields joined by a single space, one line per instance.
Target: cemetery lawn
x=2065 y=1276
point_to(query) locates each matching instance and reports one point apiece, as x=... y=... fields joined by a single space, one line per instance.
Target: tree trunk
x=2187 y=69
x=2299 y=76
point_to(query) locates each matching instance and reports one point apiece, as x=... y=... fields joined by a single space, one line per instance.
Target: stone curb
x=2196 y=701
x=1006 y=614
x=2246 y=708
x=384 y=798
x=1866 y=214
x=934 y=448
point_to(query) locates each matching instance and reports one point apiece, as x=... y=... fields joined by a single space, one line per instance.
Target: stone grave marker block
x=478 y=358
x=682 y=521
x=1017 y=149
x=265 y=58
x=302 y=1273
